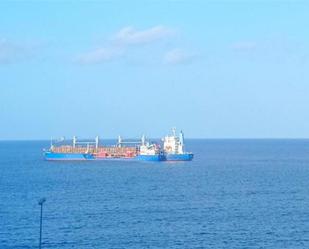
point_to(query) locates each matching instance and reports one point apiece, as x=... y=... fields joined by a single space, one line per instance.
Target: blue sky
x=233 y=69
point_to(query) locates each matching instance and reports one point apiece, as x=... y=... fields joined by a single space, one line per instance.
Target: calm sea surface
x=235 y=194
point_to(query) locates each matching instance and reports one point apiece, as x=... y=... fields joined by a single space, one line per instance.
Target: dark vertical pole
x=41 y=202
x=40 y=245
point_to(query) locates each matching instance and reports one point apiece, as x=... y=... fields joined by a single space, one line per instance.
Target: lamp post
x=41 y=202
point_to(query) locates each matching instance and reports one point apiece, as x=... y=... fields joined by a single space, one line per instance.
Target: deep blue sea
x=234 y=194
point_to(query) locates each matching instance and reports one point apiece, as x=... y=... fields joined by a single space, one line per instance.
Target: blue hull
x=154 y=158
x=51 y=156
x=179 y=157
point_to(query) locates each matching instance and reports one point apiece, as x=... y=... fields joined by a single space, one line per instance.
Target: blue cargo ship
x=174 y=148
x=92 y=150
x=140 y=150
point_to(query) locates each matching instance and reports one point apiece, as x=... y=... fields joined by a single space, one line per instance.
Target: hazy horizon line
x=187 y=138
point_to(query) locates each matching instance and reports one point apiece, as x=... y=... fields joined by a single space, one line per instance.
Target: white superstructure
x=148 y=149
x=173 y=144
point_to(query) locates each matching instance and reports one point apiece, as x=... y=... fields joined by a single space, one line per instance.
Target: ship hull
x=179 y=157
x=52 y=156
x=153 y=158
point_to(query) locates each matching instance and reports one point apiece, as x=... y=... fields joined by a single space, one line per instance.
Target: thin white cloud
x=177 y=56
x=120 y=43
x=132 y=36
x=11 y=52
x=244 y=46
x=100 y=55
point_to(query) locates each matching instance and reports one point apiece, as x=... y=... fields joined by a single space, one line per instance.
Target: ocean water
x=234 y=194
